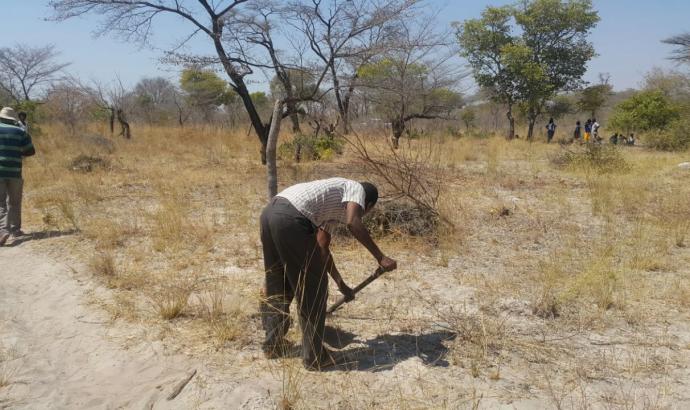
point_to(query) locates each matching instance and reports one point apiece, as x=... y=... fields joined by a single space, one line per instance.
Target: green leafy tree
x=559 y=106
x=555 y=32
x=205 y=90
x=645 y=111
x=483 y=42
x=595 y=96
x=549 y=55
x=468 y=117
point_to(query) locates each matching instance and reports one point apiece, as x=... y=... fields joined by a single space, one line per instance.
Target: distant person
x=595 y=130
x=577 y=134
x=550 y=130
x=588 y=130
x=631 y=139
x=15 y=144
x=614 y=139
x=22 y=121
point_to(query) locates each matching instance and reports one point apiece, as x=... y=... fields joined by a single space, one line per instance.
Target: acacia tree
x=134 y=20
x=682 y=51
x=413 y=81
x=345 y=35
x=24 y=69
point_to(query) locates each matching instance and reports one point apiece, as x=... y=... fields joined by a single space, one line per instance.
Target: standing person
x=296 y=229
x=22 y=121
x=588 y=130
x=15 y=144
x=595 y=130
x=577 y=134
x=550 y=130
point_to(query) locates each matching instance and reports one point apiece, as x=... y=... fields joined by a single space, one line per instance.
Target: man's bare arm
x=323 y=239
x=353 y=215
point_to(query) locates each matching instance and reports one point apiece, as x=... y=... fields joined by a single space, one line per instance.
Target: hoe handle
x=341 y=300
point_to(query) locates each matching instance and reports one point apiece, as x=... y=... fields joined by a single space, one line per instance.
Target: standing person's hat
x=8 y=113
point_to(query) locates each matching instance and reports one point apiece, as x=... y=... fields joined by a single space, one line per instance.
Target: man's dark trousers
x=294 y=269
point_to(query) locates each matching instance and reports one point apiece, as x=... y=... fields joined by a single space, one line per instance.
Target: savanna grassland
x=560 y=279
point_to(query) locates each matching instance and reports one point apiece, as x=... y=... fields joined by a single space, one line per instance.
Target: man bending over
x=296 y=229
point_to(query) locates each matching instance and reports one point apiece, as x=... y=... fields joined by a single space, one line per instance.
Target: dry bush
x=413 y=172
x=171 y=296
x=8 y=369
x=88 y=163
x=401 y=218
x=479 y=340
x=103 y=264
x=592 y=157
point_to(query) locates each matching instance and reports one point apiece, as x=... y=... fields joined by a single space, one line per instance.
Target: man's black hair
x=21 y=114
x=371 y=193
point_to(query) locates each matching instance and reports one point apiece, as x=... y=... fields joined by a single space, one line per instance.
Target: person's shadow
x=37 y=236
x=385 y=351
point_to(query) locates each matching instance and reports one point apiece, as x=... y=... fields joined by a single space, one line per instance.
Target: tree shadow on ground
x=37 y=236
x=386 y=351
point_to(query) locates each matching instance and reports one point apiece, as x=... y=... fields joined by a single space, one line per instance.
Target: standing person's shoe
x=3 y=238
x=17 y=234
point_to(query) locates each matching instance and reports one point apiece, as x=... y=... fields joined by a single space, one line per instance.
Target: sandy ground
x=62 y=353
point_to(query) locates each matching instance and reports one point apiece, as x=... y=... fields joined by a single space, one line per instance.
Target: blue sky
x=627 y=39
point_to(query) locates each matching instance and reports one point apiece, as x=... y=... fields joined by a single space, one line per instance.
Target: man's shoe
x=3 y=238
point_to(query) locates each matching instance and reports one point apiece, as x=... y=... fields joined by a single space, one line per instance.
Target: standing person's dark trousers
x=294 y=269
x=10 y=205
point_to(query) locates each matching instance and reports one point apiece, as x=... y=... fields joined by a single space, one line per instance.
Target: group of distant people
x=591 y=133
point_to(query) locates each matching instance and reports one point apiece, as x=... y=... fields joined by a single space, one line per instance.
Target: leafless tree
x=682 y=43
x=67 y=103
x=414 y=80
x=134 y=19
x=154 y=99
x=347 y=34
x=112 y=98
x=25 y=69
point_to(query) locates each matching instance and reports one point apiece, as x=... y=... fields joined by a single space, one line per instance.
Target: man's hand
x=388 y=264
x=346 y=291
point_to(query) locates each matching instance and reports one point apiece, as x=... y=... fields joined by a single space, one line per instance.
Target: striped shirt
x=14 y=144
x=323 y=202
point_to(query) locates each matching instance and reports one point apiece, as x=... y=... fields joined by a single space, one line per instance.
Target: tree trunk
x=241 y=90
x=111 y=120
x=398 y=127
x=530 y=128
x=344 y=124
x=511 y=123
x=272 y=143
x=124 y=125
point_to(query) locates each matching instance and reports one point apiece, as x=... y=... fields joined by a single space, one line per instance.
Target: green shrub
x=311 y=148
x=675 y=138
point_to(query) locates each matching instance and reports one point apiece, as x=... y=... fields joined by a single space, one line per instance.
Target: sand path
x=59 y=352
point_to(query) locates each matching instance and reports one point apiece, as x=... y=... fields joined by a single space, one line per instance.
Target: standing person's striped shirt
x=14 y=144
x=323 y=202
